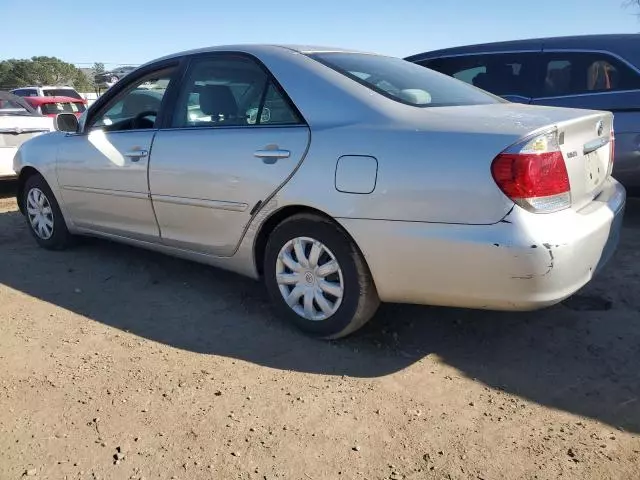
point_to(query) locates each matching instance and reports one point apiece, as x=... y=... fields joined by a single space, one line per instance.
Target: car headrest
x=137 y=102
x=217 y=100
x=416 y=96
x=481 y=80
x=500 y=69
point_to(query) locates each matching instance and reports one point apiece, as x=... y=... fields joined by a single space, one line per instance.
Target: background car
x=47 y=91
x=52 y=106
x=19 y=122
x=109 y=78
x=596 y=72
x=340 y=178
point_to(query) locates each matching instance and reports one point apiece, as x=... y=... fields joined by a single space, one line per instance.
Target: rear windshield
x=14 y=105
x=8 y=107
x=404 y=81
x=62 y=107
x=61 y=92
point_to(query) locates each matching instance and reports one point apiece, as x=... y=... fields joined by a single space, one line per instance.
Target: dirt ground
x=117 y=363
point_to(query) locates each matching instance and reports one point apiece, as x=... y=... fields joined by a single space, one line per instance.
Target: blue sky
x=133 y=32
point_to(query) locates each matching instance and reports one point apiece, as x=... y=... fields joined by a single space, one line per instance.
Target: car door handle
x=136 y=155
x=272 y=154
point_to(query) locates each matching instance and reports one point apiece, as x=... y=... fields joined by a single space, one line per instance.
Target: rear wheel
x=317 y=277
x=43 y=215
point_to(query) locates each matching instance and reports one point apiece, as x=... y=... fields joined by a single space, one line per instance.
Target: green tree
x=15 y=73
x=97 y=69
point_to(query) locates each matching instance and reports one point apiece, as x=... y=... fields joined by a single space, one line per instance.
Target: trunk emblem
x=600 y=128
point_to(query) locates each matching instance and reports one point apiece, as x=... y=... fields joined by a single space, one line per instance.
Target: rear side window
x=574 y=73
x=500 y=74
x=231 y=91
x=403 y=81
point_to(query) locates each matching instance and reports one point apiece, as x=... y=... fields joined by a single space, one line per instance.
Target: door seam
x=149 y=196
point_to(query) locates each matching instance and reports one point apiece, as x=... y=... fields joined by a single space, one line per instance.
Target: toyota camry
x=339 y=178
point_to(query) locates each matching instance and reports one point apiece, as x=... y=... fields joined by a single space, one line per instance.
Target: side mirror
x=66 y=122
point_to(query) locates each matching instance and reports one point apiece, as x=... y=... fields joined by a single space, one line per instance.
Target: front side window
x=500 y=74
x=573 y=73
x=403 y=81
x=231 y=92
x=137 y=108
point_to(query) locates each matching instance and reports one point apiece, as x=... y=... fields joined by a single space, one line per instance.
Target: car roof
x=45 y=100
x=624 y=45
x=256 y=49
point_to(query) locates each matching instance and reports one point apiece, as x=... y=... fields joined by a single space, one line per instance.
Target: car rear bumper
x=525 y=262
x=6 y=162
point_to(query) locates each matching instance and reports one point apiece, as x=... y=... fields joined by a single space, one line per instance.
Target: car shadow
x=8 y=188
x=582 y=356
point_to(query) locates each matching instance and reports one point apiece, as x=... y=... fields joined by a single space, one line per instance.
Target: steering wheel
x=136 y=122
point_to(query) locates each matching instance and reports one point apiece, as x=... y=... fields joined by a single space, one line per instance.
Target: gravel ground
x=118 y=363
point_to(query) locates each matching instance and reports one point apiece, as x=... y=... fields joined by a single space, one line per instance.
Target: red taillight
x=533 y=174
x=529 y=175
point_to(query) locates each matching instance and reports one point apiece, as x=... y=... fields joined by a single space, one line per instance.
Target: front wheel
x=43 y=215
x=317 y=277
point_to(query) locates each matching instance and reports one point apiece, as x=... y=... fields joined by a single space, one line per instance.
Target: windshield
x=61 y=92
x=404 y=81
x=62 y=107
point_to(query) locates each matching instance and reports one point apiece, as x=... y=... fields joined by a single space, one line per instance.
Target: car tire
x=323 y=301
x=43 y=215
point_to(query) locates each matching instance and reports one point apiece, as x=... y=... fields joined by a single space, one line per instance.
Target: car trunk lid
x=17 y=129
x=584 y=136
x=586 y=144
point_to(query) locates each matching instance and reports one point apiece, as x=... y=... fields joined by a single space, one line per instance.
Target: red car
x=52 y=106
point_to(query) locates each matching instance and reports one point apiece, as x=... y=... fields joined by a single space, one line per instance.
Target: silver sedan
x=341 y=179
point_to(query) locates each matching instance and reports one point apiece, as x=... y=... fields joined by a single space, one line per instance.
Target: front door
x=103 y=171
x=234 y=139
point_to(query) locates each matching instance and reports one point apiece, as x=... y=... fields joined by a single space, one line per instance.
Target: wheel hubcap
x=40 y=213
x=309 y=278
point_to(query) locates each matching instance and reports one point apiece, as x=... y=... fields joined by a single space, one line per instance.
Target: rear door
x=234 y=139
x=513 y=76
x=592 y=80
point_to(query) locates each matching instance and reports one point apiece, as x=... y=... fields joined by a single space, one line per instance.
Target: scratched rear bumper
x=525 y=262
